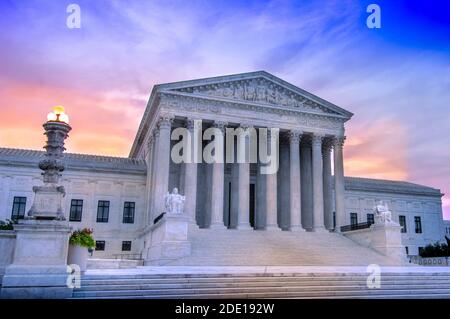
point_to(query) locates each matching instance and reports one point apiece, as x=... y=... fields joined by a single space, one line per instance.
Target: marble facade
x=308 y=193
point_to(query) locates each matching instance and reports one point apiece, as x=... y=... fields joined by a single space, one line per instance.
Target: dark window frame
x=370 y=218
x=126 y=245
x=18 y=208
x=103 y=211
x=402 y=222
x=100 y=245
x=353 y=218
x=76 y=210
x=418 y=224
x=129 y=209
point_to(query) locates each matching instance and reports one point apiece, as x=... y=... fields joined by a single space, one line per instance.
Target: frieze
x=198 y=105
x=258 y=90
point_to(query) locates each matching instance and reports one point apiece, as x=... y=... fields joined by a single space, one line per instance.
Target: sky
x=395 y=79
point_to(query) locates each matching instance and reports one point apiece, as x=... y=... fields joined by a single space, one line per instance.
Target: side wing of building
x=417 y=208
x=103 y=193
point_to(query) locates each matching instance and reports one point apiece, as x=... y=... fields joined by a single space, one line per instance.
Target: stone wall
x=7 y=242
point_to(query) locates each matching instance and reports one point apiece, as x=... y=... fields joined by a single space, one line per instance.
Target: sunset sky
x=395 y=79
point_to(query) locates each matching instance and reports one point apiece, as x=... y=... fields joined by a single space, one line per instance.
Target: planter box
x=78 y=255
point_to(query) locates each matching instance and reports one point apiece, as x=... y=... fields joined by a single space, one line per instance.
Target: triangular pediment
x=256 y=87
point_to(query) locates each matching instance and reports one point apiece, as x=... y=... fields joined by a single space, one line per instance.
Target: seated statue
x=174 y=202
x=382 y=214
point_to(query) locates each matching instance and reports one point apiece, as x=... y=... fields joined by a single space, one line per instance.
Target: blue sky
x=395 y=79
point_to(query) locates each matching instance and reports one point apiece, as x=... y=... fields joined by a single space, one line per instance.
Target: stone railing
x=430 y=261
x=7 y=243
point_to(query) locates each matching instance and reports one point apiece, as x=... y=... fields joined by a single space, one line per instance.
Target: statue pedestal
x=386 y=238
x=47 y=202
x=168 y=240
x=39 y=267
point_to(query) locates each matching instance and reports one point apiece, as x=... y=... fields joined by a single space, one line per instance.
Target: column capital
x=317 y=139
x=220 y=125
x=165 y=121
x=338 y=141
x=295 y=136
x=191 y=124
x=327 y=144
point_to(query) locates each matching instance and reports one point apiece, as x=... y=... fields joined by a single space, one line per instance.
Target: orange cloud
x=377 y=150
x=102 y=124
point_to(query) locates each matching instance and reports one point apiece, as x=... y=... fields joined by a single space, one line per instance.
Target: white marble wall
x=118 y=188
x=90 y=187
x=427 y=207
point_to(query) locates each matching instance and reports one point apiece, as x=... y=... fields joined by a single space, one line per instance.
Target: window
x=76 y=210
x=100 y=245
x=18 y=209
x=102 y=211
x=402 y=222
x=370 y=219
x=353 y=218
x=128 y=213
x=418 y=224
x=407 y=250
x=126 y=245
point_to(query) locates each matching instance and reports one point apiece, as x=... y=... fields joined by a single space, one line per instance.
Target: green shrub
x=6 y=225
x=435 y=250
x=82 y=238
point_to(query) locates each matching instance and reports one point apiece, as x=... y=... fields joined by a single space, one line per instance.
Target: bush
x=6 y=225
x=435 y=250
x=82 y=238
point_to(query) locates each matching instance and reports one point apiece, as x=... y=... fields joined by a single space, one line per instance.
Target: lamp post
x=39 y=267
x=47 y=203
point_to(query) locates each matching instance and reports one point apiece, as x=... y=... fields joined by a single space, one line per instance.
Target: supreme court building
x=233 y=214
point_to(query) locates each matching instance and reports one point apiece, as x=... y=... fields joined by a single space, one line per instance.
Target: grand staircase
x=231 y=247
x=306 y=284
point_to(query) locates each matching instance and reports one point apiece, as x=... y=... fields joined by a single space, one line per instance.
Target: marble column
x=162 y=164
x=306 y=182
x=149 y=191
x=295 y=187
x=327 y=189
x=190 y=177
x=217 y=183
x=318 y=221
x=339 y=182
x=244 y=184
x=271 y=192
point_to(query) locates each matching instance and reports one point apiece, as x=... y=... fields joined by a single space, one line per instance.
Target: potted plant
x=8 y=225
x=79 y=244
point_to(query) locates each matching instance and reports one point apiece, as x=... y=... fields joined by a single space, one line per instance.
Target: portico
x=297 y=197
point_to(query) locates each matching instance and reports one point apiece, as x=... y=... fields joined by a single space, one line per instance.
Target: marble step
x=280 y=280
x=263 y=292
x=262 y=276
x=282 y=296
x=153 y=286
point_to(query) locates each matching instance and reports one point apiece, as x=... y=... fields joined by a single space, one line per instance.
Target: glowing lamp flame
x=58 y=115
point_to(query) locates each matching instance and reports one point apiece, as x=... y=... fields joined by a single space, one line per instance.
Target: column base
x=297 y=229
x=272 y=228
x=217 y=226
x=244 y=227
x=320 y=230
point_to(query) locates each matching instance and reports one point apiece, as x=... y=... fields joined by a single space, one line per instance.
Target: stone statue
x=382 y=214
x=174 y=202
